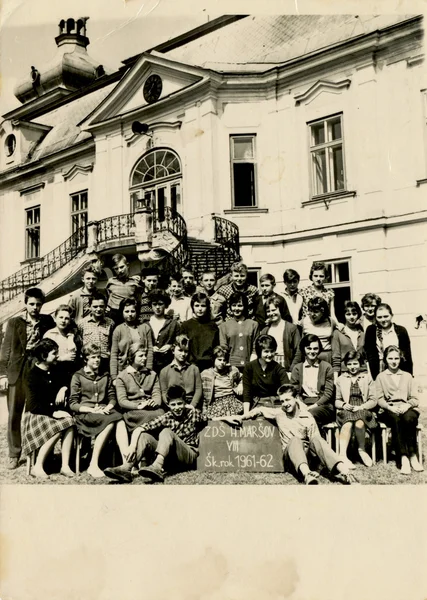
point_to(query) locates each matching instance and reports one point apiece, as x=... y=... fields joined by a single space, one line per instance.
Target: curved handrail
x=226 y=233
x=41 y=268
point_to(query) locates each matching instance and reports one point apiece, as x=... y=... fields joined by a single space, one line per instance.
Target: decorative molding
x=30 y=125
x=131 y=137
x=327 y=198
x=76 y=170
x=31 y=189
x=322 y=85
x=245 y=211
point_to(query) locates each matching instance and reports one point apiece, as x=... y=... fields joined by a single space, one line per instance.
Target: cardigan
x=239 y=337
x=121 y=344
x=388 y=391
x=90 y=390
x=187 y=377
x=366 y=386
x=204 y=336
x=371 y=349
x=291 y=340
x=325 y=381
x=41 y=389
x=341 y=344
x=13 y=350
x=132 y=387
x=208 y=382
x=258 y=383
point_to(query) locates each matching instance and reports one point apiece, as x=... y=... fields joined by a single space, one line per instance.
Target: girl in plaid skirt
x=44 y=421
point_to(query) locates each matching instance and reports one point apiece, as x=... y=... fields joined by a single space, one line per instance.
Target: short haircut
x=352 y=355
x=208 y=272
x=97 y=295
x=268 y=277
x=65 y=308
x=201 y=297
x=150 y=272
x=370 y=298
x=90 y=270
x=265 y=342
x=317 y=303
x=238 y=267
x=43 y=348
x=307 y=340
x=187 y=269
x=90 y=349
x=317 y=266
x=392 y=349
x=221 y=350
x=134 y=349
x=118 y=258
x=128 y=302
x=385 y=306
x=351 y=304
x=290 y=275
x=182 y=342
x=175 y=277
x=176 y=392
x=36 y=293
x=239 y=297
x=288 y=388
x=159 y=295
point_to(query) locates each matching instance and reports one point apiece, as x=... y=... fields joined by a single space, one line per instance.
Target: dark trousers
x=322 y=414
x=15 y=407
x=178 y=455
x=403 y=431
x=297 y=452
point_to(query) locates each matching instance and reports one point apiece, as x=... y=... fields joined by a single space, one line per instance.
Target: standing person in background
x=180 y=305
x=188 y=281
x=286 y=334
x=22 y=335
x=239 y=283
x=238 y=333
x=207 y=283
x=122 y=285
x=350 y=338
x=369 y=304
x=293 y=298
x=97 y=329
x=383 y=334
x=317 y=289
x=164 y=329
x=69 y=343
x=79 y=301
x=150 y=277
x=202 y=332
x=267 y=283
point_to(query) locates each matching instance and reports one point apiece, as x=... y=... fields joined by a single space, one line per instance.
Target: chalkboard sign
x=254 y=447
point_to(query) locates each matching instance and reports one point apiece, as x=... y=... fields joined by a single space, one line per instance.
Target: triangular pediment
x=128 y=95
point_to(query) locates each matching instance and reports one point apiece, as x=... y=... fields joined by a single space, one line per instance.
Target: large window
x=338 y=279
x=32 y=233
x=243 y=170
x=79 y=215
x=156 y=179
x=327 y=155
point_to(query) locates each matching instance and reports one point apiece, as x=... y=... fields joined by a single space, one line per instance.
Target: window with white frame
x=254 y=274
x=327 y=156
x=32 y=232
x=243 y=171
x=338 y=278
x=79 y=215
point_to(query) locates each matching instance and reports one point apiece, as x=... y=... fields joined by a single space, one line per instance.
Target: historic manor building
x=308 y=133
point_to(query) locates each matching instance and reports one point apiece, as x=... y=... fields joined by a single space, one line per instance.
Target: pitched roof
x=257 y=43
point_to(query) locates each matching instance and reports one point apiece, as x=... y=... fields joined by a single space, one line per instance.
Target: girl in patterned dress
x=45 y=422
x=222 y=385
x=355 y=399
x=317 y=289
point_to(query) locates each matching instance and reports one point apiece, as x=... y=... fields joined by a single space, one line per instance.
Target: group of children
x=151 y=361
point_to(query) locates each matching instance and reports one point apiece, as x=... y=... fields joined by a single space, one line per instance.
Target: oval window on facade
x=10 y=144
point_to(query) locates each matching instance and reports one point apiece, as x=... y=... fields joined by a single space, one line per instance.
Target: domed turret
x=71 y=68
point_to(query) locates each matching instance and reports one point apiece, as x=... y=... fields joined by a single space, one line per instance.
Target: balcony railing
x=116 y=228
x=227 y=234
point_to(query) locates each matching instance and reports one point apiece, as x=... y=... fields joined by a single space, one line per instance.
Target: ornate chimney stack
x=72 y=32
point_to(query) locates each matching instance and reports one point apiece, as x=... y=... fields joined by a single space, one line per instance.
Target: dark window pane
x=343 y=272
x=334 y=129
x=173 y=199
x=341 y=295
x=243 y=148
x=75 y=204
x=328 y=273
x=318 y=134
x=319 y=172
x=338 y=168
x=253 y=278
x=161 y=204
x=244 y=184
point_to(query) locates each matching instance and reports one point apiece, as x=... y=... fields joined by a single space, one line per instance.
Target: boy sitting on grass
x=301 y=439
x=175 y=447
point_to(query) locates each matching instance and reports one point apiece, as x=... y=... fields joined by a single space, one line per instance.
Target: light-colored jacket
x=366 y=386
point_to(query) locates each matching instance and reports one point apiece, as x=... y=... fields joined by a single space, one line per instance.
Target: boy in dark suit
x=22 y=334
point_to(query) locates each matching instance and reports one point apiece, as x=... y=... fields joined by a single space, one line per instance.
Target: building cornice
x=31 y=189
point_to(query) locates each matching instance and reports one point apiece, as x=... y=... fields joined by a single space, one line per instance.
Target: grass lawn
x=378 y=474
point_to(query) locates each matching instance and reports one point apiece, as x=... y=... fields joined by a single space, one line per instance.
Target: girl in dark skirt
x=138 y=389
x=222 y=386
x=45 y=422
x=355 y=399
x=93 y=402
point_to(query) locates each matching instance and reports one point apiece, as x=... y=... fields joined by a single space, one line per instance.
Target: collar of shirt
x=29 y=320
x=91 y=319
x=178 y=367
x=398 y=372
x=307 y=365
x=390 y=331
x=292 y=296
x=132 y=371
x=89 y=372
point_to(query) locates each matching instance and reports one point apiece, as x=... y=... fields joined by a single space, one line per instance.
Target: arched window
x=156 y=179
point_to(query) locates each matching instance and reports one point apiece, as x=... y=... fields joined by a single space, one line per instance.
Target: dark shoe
x=120 y=474
x=347 y=478
x=152 y=473
x=12 y=462
x=312 y=478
